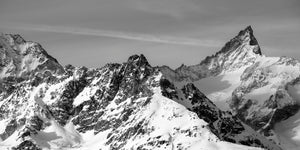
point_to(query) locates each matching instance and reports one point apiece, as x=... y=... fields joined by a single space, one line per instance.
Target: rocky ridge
x=121 y=106
x=263 y=91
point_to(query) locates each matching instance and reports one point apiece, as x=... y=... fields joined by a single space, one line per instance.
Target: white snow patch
x=57 y=137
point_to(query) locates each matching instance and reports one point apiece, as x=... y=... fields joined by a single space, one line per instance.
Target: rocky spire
x=138 y=60
x=139 y=65
x=247 y=35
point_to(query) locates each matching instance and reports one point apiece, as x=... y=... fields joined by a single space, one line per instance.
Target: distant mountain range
x=236 y=99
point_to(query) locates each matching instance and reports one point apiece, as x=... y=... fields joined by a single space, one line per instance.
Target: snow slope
x=240 y=79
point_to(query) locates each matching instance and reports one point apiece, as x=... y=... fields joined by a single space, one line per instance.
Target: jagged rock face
x=263 y=92
x=222 y=124
x=272 y=79
x=239 y=52
x=20 y=58
x=118 y=106
x=64 y=99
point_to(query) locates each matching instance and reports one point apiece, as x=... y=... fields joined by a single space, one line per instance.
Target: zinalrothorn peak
x=240 y=51
x=244 y=37
x=248 y=30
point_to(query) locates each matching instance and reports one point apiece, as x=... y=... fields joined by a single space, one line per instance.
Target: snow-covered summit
x=240 y=51
x=244 y=37
x=20 y=58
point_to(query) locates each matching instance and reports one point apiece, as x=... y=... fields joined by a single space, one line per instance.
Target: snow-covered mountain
x=262 y=91
x=119 y=106
x=20 y=58
x=239 y=52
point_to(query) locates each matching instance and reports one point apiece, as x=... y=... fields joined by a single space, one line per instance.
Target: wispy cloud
x=121 y=35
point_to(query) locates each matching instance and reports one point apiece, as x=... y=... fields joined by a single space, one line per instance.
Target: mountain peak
x=139 y=60
x=247 y=29
x=14 y=38
x=244 y=37
x=247 y=36
x=21 y=58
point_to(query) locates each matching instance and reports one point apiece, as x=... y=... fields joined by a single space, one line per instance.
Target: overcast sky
x=95 y=32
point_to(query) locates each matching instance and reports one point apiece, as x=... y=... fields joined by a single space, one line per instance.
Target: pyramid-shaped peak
x=244 y=37
x=248 y=29
x=244 y=41
x=247 y=35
